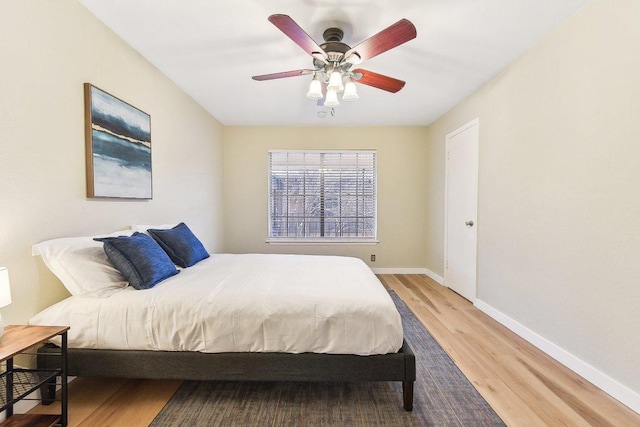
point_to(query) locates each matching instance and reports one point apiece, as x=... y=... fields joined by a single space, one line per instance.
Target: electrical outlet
x=373 y=258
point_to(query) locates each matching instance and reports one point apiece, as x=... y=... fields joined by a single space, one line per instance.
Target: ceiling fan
x=333 y=59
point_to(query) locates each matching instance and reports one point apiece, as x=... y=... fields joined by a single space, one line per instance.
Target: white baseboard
x=400 y=270
x=434 y=276
x=32 y=400
x=601 y=380
x=28 y=403
x=424 y=271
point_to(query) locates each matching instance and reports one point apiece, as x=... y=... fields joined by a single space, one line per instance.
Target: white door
x=461 y=208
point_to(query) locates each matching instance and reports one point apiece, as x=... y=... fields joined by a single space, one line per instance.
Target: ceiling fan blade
x=398 y=33
x=376 y=80
x=282 y=74
x=298 y=35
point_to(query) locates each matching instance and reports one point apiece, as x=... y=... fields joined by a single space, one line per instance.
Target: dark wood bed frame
x=400 y=366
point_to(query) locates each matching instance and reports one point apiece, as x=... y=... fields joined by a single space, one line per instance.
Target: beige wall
x=48 y=49
x=401 y=196
x=559 y=188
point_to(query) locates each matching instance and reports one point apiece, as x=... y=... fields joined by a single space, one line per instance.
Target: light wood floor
x=523 y=385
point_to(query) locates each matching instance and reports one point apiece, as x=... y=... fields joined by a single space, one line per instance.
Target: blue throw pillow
x=139 y=258
x=182 y=246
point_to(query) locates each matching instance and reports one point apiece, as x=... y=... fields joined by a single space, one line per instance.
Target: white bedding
x=242 y=303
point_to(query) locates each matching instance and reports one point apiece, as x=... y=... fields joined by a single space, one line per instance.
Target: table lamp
x=5 y=293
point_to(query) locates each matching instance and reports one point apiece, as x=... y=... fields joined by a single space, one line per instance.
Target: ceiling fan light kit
x=315 y=88
x=335 y=81
x=350 y=91
x=333 y=60
x=331 y=99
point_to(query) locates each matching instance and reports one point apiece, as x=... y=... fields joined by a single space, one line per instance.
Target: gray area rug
x=442 y=397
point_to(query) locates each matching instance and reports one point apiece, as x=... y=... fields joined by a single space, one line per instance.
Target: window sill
x=325 y=241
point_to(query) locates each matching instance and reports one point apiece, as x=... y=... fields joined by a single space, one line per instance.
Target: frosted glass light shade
x=332 y=99
x=5 y=293
x=350 y=91
x=354 y=59
x=315 y=89
x=335 y=82
x=5 y=287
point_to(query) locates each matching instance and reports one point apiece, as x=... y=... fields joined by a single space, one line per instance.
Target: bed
x=251 y=317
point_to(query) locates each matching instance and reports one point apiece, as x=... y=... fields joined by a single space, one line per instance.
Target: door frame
x=448 y=137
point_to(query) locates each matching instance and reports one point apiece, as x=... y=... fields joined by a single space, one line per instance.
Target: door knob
x=469 y=223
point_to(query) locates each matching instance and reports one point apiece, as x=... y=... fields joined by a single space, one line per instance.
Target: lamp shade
x=332 y=99
x=5 y=287
x=335 y=81
x=315 y=89
x=350 y=91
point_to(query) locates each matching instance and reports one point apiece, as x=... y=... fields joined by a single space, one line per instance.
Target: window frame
x=322 y=240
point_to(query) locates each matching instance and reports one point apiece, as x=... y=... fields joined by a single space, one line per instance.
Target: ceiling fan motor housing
x=333 y=35
x=334 y=47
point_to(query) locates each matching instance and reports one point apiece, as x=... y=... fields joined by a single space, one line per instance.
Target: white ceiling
x=211 y=48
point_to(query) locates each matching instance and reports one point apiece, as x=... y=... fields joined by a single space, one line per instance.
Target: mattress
x=242 y=303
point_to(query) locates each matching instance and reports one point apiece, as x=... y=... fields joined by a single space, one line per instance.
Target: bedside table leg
x=63 y=376
x=9 y=394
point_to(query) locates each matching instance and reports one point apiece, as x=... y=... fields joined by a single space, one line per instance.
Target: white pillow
x=82 y=265
x=141 y=228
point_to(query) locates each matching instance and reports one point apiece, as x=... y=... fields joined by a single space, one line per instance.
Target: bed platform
x=228 y=317
x=181 y=365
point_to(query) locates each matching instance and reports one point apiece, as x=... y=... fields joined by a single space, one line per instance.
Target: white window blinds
x=322 y=195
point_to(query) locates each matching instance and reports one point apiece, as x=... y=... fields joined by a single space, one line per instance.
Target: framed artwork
x=118 y=147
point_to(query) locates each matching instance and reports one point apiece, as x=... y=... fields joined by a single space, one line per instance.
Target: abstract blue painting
x=118 y=145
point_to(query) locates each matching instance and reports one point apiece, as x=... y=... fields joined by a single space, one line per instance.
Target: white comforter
x=242 y=303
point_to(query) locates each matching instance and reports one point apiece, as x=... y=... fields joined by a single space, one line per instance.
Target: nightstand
x=17 y=383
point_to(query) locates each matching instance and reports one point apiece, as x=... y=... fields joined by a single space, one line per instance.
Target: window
x=322 y=196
